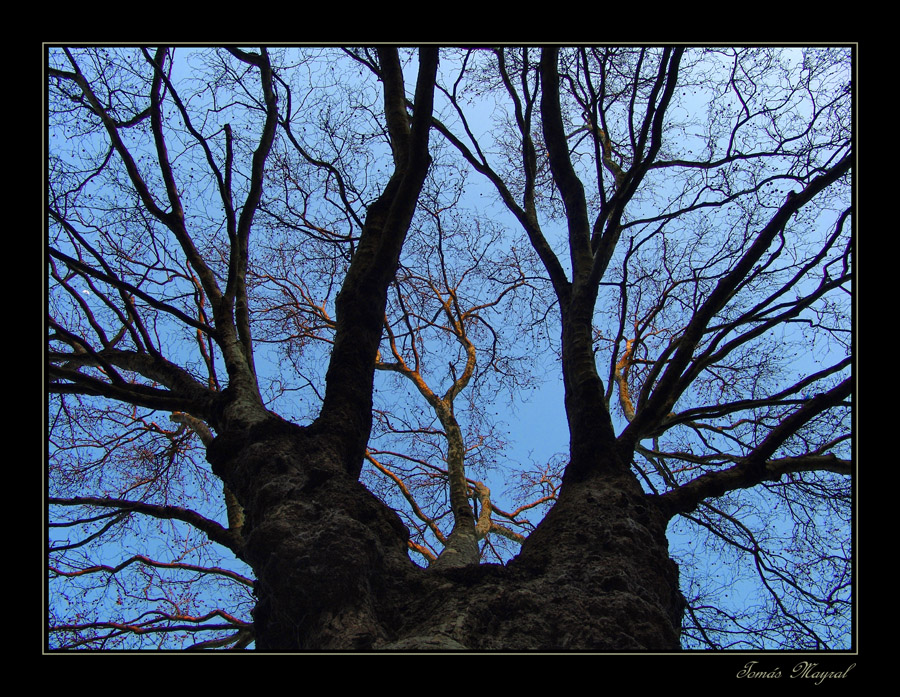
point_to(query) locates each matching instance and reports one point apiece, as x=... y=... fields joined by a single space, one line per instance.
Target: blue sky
x=537 y=424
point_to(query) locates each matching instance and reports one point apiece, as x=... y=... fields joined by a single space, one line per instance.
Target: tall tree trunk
x=326 y=552
x=331 y=560
x=602 y=551
x=324 y=549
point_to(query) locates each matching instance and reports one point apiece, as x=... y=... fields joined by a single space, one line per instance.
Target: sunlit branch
x=410 y=499
x=141 y=559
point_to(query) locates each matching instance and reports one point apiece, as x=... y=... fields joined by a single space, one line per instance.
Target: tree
x=243 y=243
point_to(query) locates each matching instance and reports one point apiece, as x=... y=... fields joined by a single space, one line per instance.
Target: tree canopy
x=299 y=299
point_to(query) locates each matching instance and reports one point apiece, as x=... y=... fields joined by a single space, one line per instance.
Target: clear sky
x=537 y=426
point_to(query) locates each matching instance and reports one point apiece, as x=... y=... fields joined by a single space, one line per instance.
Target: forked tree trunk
x=334 y=573
x=331 y=559
x=333 y=570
